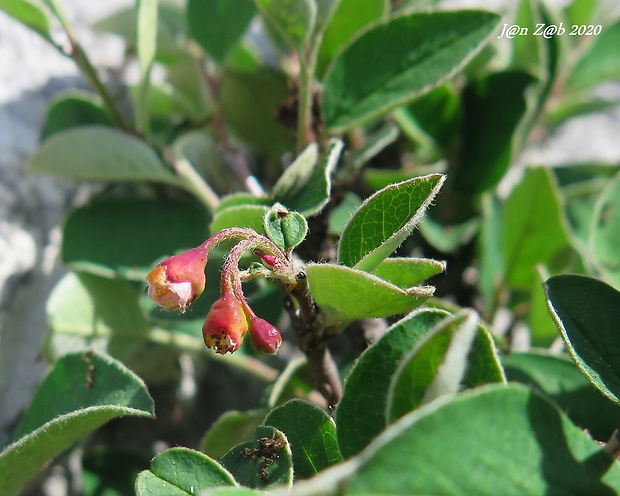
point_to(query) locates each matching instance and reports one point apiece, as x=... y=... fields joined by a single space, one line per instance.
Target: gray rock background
x=33 y=207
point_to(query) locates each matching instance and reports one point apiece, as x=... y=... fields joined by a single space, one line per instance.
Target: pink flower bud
x=178 y=280
x=266 y=338
x=225 y=326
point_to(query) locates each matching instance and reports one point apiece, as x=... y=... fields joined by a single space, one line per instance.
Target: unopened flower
x=178 y=280
x=226 y=325
x=266 y=338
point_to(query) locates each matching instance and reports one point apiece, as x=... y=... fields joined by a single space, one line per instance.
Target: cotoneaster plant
x=259 y=263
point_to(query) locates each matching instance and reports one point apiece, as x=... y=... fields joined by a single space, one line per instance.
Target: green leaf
x=122 y=237
x=600 y=62
x=264 y=463
x=97 y=153
x=231 y=428
x=515 y=441
x=409 y=55
x=490 y=252
x=373 y=145
x=385 y=220
x=360 y=414
x=542 y=328
x=286 y=229
x=89 y=312
x=493 y=107
x=250 y=102
x=534 y=230
x=408 y=272
x=345 y=294
x=251 y=216
x=457 y=353
x=558 y=378
x=605 y=232
x=294 y=19
x=181 y=471
x=31 y=13
x=218 y=25
x=82 y=392
x=305 y=185
x=147 y=40
x=583 y=309
x=341 y=213
x=311 y=434
x=450 y=237
x=73 y=108
x=348 y=19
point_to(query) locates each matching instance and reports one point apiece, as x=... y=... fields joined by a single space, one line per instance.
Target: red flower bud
x=178 y=280
x=225 y=325
x=266 y=338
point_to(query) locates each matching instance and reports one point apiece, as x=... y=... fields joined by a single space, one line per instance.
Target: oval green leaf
x=182 y=471
x=232 y=427
x=409 y=55
x=294 y=19
x=311 y=434
x=97 y=153
x=264 y=463
x=74 y=109
x=31 y=13
x=82 y=392
x=558 y=378
x=360 y=415
x=218 y=25
x=345 y=294
x=515 y=442
x=385 y=220
x=534 y=230
x=584 y=309
x=286 y=229
x=115 y=237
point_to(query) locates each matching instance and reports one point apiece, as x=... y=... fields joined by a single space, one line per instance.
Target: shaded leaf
x=457 y=353
x=349 y=17
x=264 y=463
x=218 y=25
x=514 y=440
x=311 y=434
x=97 y=153
x=584 y=311
x=558 y=378
x=409 y=55
x=305 y=185
x=146 y=48
x=385 y=220
x=360 y=414
x=600 y=62
x=534 y=230
x=492 y=107
x=294 y=19
x=115 y=237
x=74 y=108
x=239 y=216
x=82 y=392
x=232 y=427
x=605 y=232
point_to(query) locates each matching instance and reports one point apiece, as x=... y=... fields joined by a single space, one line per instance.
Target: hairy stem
x=80 y=58
x=309 y=327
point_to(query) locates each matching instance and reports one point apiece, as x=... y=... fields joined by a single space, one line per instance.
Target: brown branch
x=309 y=326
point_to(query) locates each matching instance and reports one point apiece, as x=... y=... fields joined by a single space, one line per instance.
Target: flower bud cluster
x=178 y=280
